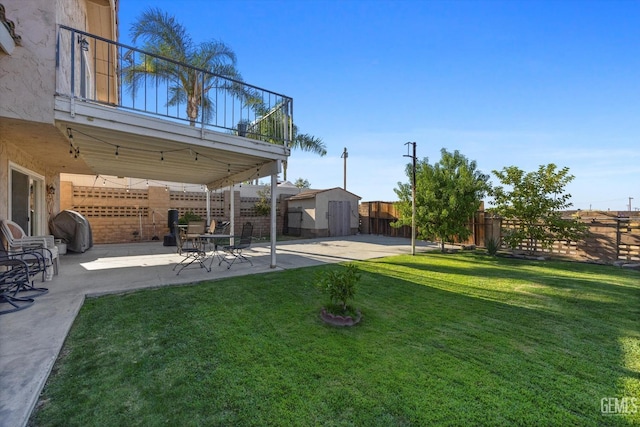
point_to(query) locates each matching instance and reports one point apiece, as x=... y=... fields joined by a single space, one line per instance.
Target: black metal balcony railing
x=94 y=69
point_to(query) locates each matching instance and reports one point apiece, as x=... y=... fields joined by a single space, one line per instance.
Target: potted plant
x=340 y=287
x=189 y=216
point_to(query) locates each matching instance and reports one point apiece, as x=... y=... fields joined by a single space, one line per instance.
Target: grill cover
x=73 y=229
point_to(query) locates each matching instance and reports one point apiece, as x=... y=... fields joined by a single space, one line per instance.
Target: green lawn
x=460 y=339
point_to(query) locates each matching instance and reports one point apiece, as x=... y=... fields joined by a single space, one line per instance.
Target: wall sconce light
x=82 y=41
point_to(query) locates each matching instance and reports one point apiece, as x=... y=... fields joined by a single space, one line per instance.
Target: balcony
x=127 y=112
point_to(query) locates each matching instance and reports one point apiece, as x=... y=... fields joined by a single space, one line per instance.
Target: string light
x=148 y=182
x=70 y=136
x=75 y=152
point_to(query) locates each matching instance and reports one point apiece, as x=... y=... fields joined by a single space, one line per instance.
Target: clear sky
x=516 y=82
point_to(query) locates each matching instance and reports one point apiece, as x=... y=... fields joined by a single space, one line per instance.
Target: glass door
x=27 y=200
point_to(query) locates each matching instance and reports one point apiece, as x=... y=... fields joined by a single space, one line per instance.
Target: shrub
x=339 y=285
x=189 y=216
x=263 y=206
x=492 y=246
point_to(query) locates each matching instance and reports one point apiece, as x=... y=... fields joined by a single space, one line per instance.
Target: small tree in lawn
x=448 y=194
x=535 y=200
x=340 y=286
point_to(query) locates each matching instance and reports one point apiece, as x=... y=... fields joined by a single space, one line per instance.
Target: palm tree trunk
x=192 y=109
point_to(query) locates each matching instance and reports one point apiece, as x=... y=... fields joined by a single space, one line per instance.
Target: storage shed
x=323 y=213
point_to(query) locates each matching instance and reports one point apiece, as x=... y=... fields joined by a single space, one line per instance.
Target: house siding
x=28 y=78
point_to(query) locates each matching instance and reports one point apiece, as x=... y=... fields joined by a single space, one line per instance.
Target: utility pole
x=413 y=196
x=344 y=156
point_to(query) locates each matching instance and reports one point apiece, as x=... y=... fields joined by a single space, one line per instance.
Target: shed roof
x=311 y=194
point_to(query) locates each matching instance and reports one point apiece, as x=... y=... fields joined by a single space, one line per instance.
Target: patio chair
x=240 y=243
x=191 y=247
x=16 y=285
x=33 y=257
x=222 y=227
x=16 y=240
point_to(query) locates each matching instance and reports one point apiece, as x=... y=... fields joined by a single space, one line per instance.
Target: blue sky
x=522 y=83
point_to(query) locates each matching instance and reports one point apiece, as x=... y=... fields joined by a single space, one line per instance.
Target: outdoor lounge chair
x=16 y=285
x=239 y=244
x=33 y=257
x=190 y=246
x=16 y=240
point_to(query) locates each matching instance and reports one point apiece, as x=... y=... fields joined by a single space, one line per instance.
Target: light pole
x=413 y=197
x=344 y=156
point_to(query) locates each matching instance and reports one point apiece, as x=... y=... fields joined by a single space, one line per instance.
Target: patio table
x=214 y=240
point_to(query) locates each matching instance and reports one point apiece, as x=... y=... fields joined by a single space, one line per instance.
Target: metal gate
x=339 y=218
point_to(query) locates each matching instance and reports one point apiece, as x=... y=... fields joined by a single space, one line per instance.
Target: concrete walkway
x=30 y=340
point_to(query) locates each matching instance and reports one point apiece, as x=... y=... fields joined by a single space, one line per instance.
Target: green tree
x=302 y=183
x=448 y=194
x=535 y=200
x=163 y=36
x=263 y=205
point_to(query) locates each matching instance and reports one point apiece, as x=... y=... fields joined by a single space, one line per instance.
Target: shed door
x=339 y=218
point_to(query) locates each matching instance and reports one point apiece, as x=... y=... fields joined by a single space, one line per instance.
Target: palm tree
x=163 y=36
x=305 y=142
x=271 y=124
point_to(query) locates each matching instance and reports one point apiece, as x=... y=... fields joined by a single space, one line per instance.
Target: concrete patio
x=32 y=339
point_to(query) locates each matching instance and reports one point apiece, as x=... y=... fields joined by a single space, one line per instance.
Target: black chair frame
x=240 y=243
x=17 y=291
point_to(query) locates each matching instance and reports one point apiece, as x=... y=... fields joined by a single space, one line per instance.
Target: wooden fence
x=612 y=236
x=609 y=239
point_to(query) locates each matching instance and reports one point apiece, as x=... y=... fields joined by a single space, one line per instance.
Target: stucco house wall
x=28 y=78
x=28 y=82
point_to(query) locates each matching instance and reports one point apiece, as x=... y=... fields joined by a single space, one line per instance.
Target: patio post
x=274 y=185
